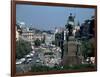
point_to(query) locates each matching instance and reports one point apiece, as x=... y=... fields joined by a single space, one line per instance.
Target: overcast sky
x=49 y=17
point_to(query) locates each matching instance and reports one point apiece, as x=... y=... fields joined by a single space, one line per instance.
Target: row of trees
x=87 y=31
x=22 y=48
x=88 y=48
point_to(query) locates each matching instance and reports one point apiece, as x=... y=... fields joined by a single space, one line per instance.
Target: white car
x=31 y=54
x=37 y=61
x=29 y=59
x=28 y=56
x=20 y=61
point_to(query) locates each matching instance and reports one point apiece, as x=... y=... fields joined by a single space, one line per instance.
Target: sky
x=49 y=17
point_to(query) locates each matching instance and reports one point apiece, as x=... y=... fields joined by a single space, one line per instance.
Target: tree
x=22 y=48
x=87 y=49
x=37 y=42
x=43 y=40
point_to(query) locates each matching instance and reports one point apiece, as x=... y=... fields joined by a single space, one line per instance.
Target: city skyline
x=49 y=17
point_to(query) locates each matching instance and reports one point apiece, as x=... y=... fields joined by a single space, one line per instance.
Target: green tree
x=86 y=49
x=22 y=48
x=53 y=42
x=37 y=42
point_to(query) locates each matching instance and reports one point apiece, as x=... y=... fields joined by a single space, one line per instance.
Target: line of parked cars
x=27 y=59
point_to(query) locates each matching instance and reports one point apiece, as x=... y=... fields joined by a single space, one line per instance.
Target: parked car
x=27 y=60
x=31 y=54
x=37 y=61
x=20 y=61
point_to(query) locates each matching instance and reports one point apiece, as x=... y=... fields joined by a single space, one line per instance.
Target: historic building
x=18 y=32
x=28 y=35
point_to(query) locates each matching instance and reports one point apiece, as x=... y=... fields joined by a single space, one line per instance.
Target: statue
x=70 y=24
x=71 y=18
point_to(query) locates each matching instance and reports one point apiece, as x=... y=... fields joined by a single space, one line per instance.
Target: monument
x=70 y=24
x=71 y=47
